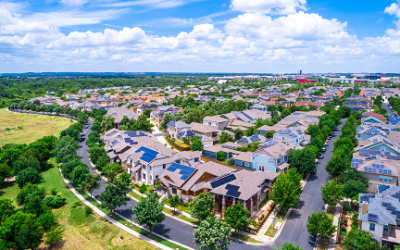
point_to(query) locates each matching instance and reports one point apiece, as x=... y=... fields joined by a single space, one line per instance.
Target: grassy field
x=26 y=128
x=271 y=232
x=81 y=231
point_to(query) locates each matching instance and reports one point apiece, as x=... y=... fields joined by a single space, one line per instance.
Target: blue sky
x=200 y=35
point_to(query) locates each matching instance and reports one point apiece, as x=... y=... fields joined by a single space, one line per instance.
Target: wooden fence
x=180 y=148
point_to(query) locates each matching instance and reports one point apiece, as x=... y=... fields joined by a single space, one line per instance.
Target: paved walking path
x=332 y=241
x=116 y=223
x=155 y=131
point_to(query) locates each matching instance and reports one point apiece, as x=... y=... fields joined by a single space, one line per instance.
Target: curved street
x=294 y=229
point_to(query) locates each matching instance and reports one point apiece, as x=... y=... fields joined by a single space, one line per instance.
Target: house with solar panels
x=365 y=132
x=251 y=139
x=227 y=185
x=272 y=156
x=379 y=214
x=294 y=136
x=119 y=112
x=174 y=128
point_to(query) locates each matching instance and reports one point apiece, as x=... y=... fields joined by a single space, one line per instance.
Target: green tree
x=202 y=206
x=113 y=196
x=320 y=225
x=34 y=204
x=251 y=131
x=287 y=189
x=238 y=133
x=29 y=190
x=173 y=201
x=79 y=176
x=197 y=144
x=236 y=217
x=359 y=239
x=92 y=183
x=221 y=156
x=47 y=220
x=270 y=134
x=27 y=175
x=336 y=165
x=352 y=188
x=326 y=131
x=313 y=130
x=285 y=113
x=332 y=193
x=30 y=235
x=166 y=119
x=148 y=212
x=54 y=235
x=107 y=123
x=303 y=160
x=5 y=172
x=6 y=209
x=225 y=137
x=289 y=246
x=259 y=122
x=212 y=234
x=112 y=170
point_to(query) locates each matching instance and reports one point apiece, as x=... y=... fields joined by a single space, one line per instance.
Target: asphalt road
x=293 y=231
x=385 y=106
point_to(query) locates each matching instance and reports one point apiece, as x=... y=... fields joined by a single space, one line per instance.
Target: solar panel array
x=185 y=170
x=129 y=140
x=270 y=143
x=368 y=152
x=368 y=169
x=229 y=146
x=232 y=187
x=392 y=208
x=255 y=138
x=385 y=171
x=233 y=193
x=131 y=133
x=224 y=180
x=356 y=162
x=393 y=157
x=378 y=166
x=373 y=131
x=115 y=142
x=111 y=133
x=364 y=198
x=373 y=217
x=382 y=188
x=148 y=155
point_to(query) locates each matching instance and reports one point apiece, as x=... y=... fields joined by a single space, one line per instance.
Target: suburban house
x=216 y=121
x=227 y=185
x=173 y=128
x=379 y=214
x=294 y=136
x=251 y=139
x=259 y=107
x=272 y=155
x=203 y=129
x=119 y=112
x=377 y=116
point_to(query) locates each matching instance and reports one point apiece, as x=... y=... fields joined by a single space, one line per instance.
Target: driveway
x=294 y=230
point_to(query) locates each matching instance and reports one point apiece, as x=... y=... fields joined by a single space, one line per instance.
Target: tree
x=47 y=220
x=79 y=176
x=313 y=130
x=352 y=188
x=202 y=206
x=259 y=122
x=114 y=196
x=320 y=225
x=148 y=212
x=197 y=144
x=332 y=193
x=6 y=209
x=29 y=190
x=251 y=131
x=285 y=112
x=225 y=137
x=107 y=123
x=270 y=134
x=336 y=165
x=173 y=201
x=289 y=246
x=303 y=160
x=326 y=131
x=5 y=172
x=212 y=234
x=236 y=217
x=54 y=235
x=112 y=170
x=92 y=183
x=238 y=133
x=30 y=235
x=125 y=177
x=359 y=239
x=34 y=204
x=287 y=189
x=221 y=156
x=166 y=119
x=27 y=175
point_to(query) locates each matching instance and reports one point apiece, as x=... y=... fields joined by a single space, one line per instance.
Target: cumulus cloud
x=281 y=7
x=74 y=2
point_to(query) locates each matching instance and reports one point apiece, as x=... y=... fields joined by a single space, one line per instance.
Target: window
x=243 y=164
x=151 y=177
x=178 y=161
x=390 y=179
x=163 y=166
x=196 y=159
x=156 y=177
x=144 y=167
x=371 y=227
x=385 y=179
x=398 y=223
x=385 y=228
x=380 y=178
x=174 y=190
x=150 y=168
x=144 y=176
x=271 y=160
x=262 y=168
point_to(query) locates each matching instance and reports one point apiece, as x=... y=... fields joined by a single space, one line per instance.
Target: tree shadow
x=162 y=230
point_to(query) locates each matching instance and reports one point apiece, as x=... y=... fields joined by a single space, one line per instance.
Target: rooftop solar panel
x=233 y=193
x=224 y=180
x=111 y=133
x=232 y=187
x=373 y=217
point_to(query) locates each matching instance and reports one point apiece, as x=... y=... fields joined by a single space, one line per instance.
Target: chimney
x=364 y=207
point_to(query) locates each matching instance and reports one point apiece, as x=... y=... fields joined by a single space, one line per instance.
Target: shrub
x=88 y=210
x=27 y=175
x=54 y=191
x=220 y=156
x=230 y=161
x=54 y=202
x=142 y=188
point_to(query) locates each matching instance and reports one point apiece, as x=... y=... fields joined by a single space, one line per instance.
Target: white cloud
x=74 y=2
x=203 y=32
x=281 y=7
x=155 y=4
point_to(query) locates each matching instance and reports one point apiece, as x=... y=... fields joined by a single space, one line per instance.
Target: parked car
x=314 y=171
x=329 y=137
x=320 y=156
x=323 y=149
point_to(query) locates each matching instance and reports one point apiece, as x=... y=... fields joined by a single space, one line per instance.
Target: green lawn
x=271 y=232
x=180 y=216
x=245 y=238
x=180 y=207
x=81 y=231
x=26 y=128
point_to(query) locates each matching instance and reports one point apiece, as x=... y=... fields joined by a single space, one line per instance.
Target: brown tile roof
x=202 y=128
x=376 y=115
